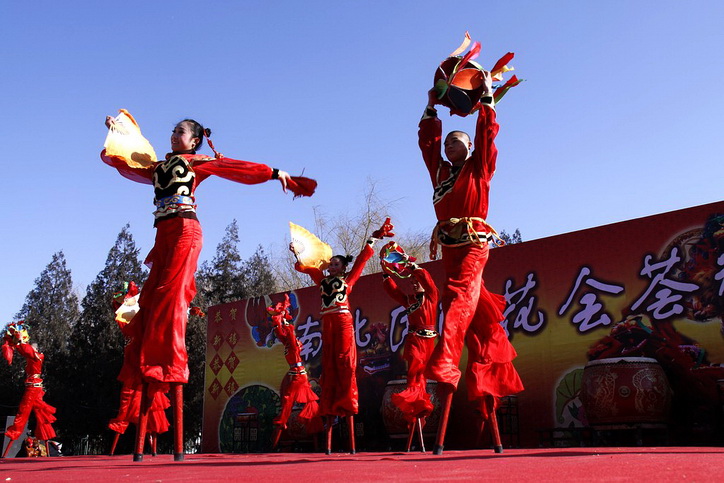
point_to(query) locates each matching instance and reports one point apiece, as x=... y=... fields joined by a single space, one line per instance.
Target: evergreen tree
x=222 y=280
x=258 y=278
x=97 y=347
x=51 y=308
x=510 y=239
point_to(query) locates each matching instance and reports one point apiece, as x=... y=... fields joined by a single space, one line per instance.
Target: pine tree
x=258 y=278
x=511 y=239
x=51 y=308
x=97 y=346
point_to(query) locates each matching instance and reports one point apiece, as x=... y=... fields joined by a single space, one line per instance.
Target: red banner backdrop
x=647 y=287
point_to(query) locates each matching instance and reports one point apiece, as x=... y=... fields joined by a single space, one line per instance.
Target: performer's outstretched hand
x=432 y=98
x=283 y=178
x=488 y=82
x=385 y=230
x=293 y=249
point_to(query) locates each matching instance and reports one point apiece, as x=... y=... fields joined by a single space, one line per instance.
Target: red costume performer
x=472 y=313
x=414 y=401
x=340 y=396
x=160 y=325
x=16 y=339
x=130 y=399
x=295 y=387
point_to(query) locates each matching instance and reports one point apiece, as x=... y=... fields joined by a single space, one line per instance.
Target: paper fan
x=311 y=251
x=125 y=141
x=127 y=310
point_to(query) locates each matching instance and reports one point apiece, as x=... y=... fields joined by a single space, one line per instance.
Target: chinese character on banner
x=311 y=338
x=670 y=291
x=591 y=314
x=521 y=307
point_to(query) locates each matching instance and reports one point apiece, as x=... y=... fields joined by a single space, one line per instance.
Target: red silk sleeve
x=430 y=142
x=139 y=175
x=359 y=265
x=426 y=282
x=236 y=170
x=316 y=274
x=485 y=153
x=394 y=291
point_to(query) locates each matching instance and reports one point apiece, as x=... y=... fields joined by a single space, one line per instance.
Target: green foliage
x=510 y=239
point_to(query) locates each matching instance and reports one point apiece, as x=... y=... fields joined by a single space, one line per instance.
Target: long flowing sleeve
x=314 y=273
x=485 y=152
x=139 y=175
x=394 y=291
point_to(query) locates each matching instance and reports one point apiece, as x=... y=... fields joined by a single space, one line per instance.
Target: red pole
x=446 y=398
x=142 y=423
x=178 y=413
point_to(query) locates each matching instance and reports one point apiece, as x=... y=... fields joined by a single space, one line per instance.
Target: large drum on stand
x=625 y=390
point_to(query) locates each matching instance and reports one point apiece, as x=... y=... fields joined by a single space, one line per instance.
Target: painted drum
x=625 y=390
x=392 y=418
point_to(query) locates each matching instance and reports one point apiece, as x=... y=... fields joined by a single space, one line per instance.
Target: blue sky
x=619 y=116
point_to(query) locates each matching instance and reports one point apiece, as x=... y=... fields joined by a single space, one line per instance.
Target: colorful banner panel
x=648 y=290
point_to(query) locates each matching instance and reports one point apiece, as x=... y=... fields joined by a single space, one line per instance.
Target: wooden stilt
x=493 y=424
x=276 y=436
x=178 y=416
x=142 y=423
x=115 y=442
x=328 y=447
x=350 y=427
x=7 y=448
x=446 y=402
x=413 y=428
x=419 y=434
x=153 y=439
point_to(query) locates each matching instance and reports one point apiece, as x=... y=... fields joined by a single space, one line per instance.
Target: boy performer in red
x=16 y=339
x=339 y=349
x=461 y=186
x=295 y=386
x=421 y=305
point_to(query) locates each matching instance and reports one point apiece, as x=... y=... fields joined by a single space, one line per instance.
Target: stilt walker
x=421 y=304
x=295 y=387
x=160 y=325
x=126 y=306
x=16 y=339
x=339 y=350
x=461 y=187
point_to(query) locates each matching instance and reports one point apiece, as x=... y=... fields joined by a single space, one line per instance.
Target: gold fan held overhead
x=125 y=141
x=310 y=250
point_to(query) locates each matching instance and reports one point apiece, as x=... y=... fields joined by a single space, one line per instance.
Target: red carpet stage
x=550 y=464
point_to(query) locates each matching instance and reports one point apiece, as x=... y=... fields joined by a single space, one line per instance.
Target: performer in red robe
x=421 y=305
x=16 y=339
x=130 y=399
x=414 y=401
x=160 y=325
x=472 y=314
x=295 y=387
x=339 y=350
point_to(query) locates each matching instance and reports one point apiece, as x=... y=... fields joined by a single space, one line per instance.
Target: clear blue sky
x=620 y=116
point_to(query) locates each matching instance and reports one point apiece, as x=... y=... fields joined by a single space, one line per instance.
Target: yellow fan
x=311 y=251
x=127 y=310
x=125 y=141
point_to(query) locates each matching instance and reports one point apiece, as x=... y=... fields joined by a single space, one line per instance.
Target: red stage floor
x=550 y=464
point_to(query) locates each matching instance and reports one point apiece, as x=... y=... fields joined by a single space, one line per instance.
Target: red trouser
x=44 y=415
x=467 y=304
x=165 y=300
x=339 y=362
x=417 y=352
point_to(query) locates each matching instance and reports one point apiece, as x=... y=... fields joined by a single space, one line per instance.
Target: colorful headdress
x=459 y=81
x=310 y=250
x=15 y=333
x=126 y=302
x=394 y=260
